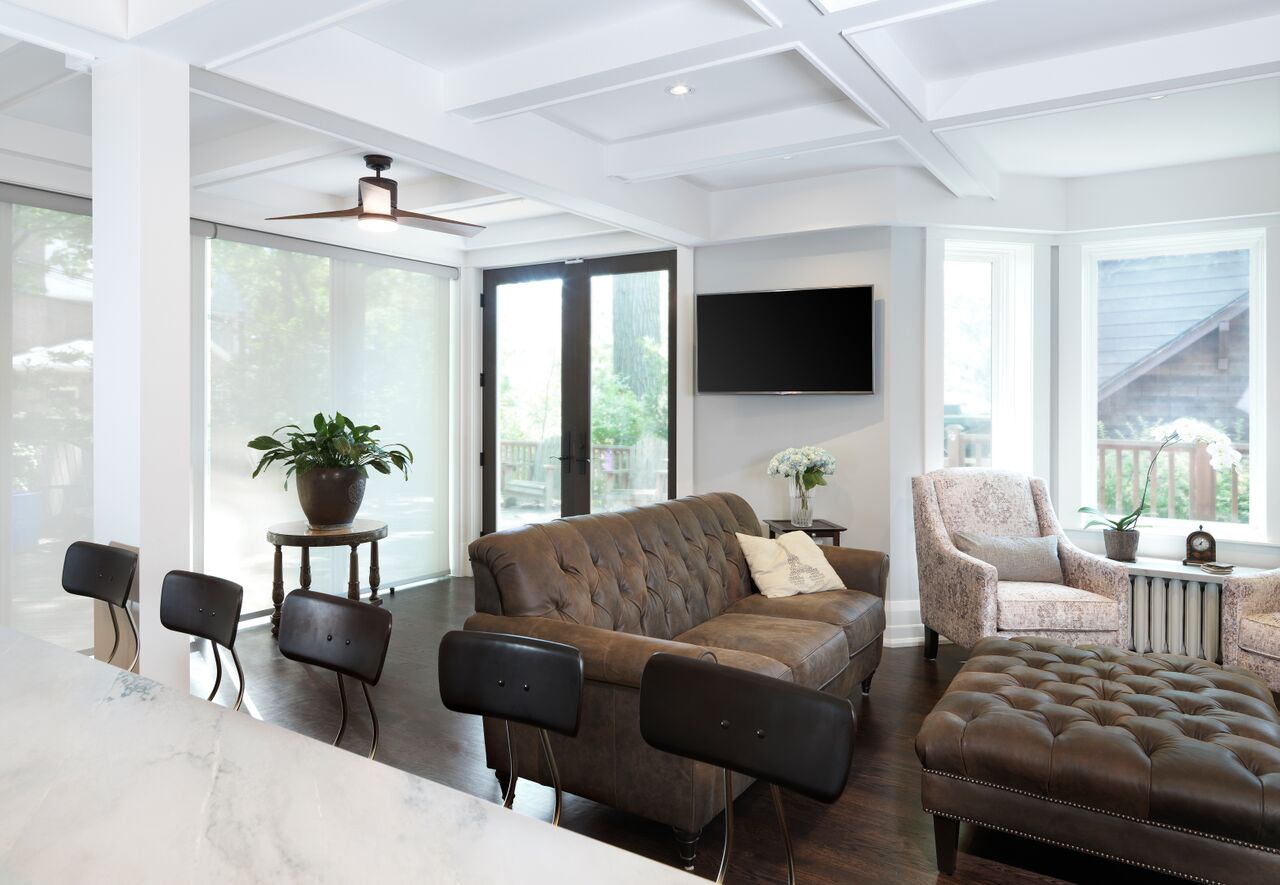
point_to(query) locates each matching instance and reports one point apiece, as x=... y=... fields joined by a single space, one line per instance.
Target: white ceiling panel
x=461 y=33
x=808 y=165
x=212 y=119
x=514 y=209
x=731 y=91
x=67 y=105
x=987 y=36
x=1238 y=120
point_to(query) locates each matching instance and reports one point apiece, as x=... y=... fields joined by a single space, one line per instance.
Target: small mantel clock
x=1201 y=548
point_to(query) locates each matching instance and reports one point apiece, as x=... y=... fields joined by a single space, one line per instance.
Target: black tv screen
x=792 y=341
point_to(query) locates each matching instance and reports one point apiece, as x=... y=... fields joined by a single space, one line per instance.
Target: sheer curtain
x=296 y=328
x=46 y=420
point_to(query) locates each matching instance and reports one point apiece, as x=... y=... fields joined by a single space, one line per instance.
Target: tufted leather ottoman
x=1163 y=761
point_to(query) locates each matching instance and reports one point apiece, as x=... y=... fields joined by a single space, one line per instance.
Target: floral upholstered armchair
x=1251 y=625
x=964 y=599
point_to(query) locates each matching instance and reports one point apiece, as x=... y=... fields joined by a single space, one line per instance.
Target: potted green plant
x=331 y=464
x=1120 y=535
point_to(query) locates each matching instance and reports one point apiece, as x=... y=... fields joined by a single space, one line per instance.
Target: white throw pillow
x=789 y=565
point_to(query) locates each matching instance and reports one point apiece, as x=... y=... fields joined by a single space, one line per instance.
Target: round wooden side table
x=300 y=534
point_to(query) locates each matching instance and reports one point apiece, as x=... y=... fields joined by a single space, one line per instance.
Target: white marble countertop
x=109 y=777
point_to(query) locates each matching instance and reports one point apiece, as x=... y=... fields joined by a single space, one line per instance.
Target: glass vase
x=801 y=503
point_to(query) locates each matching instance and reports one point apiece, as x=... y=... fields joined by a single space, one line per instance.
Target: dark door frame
x=575 y=367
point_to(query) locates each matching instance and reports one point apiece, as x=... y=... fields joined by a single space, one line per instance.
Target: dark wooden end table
x=300 y=534
x=821 y=528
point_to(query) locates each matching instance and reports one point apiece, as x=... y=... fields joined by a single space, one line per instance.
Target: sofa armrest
x=613 y=657
x=1097 y=574
x=865 y=570
x=1253 y=595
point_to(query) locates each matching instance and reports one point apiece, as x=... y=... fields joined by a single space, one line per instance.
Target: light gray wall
x=876 y=439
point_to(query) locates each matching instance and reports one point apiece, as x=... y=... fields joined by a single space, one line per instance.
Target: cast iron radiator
x=1179 y=615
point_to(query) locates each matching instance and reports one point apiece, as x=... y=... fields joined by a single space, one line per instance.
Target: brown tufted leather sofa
x=1163 y=761
x=668 y=577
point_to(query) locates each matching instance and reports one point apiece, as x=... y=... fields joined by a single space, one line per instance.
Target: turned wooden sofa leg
x=687 y=845
x=946 y=835
x=866 y=683
x=930 y=644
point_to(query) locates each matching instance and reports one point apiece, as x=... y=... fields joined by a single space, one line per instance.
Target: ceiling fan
x=375 y=208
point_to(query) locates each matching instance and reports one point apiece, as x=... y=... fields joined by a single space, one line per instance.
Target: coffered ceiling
x=515 y=111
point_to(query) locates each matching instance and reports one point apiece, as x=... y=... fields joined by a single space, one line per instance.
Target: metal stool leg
x=115 y=630
x=510 y=795
x=372 y=715
x=342 y=695
x=728 y=827
x=217 y=665
x=786 y=833
x=545 y=739
x=137 y=644
x=235 y=658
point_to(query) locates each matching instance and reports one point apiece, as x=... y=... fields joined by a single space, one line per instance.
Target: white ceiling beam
x=216 y=34
x=440 y=193
x=21 y=22
x=27 y=70
x=536 y=230
x=547 y=75
x=257 y=151
x=22 y=137
x=1238 y=51
x=689 y=151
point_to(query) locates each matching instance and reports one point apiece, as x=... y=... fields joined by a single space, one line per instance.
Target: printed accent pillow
x=1015 y=559
x=792 y=564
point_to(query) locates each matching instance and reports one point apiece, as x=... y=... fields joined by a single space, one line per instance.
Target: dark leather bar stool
x=516 y=679
x=99 y=571
x=207 y=607
x=777 y=732
x=347 y=637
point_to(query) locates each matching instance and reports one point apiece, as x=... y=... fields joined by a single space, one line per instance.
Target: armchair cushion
x=1015 y=559
x=1029 y=605
x=993 y=502
x=1260 y=634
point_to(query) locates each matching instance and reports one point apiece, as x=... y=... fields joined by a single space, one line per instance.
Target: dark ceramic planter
x=330 y=497
x=1121 y=546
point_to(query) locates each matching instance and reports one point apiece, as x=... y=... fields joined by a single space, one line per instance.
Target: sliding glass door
x=577 y=375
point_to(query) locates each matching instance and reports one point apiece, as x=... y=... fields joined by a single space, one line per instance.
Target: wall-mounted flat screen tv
x=788 y=341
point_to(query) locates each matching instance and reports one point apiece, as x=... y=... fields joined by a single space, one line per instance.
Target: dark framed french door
x=578 y=376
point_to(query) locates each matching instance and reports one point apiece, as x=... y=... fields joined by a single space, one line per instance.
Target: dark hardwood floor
x=875 y=833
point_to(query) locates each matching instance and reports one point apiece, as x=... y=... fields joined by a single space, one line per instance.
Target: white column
x=141 y=319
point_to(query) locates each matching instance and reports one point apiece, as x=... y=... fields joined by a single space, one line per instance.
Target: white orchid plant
x=807 y=466
x=1222 y=456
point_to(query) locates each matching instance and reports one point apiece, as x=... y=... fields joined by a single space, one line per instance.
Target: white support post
x=141 y=318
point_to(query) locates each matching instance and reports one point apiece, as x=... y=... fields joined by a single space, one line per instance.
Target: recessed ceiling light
x=1155 y=97
x=679 y=89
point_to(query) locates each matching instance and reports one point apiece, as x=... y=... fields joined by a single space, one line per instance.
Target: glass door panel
x=528 y=414
x=630 y=360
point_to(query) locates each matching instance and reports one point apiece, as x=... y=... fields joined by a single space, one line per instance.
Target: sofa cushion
x=1015 y=559
x=816 y=653
x=1260 y=634
x=1029 y=605
x=860 y=615
x=788 y=565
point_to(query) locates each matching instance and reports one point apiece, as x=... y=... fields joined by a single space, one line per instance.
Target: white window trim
x=1020 y=381
x=1086 y=401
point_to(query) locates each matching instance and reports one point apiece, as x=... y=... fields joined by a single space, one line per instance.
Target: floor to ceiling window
x=46 y=422
x=295 y=329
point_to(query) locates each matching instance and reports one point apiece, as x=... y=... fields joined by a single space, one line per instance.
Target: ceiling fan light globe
x=375 y=223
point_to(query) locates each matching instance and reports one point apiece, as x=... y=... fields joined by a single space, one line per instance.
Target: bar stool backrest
x=785 y=734
x=516 y=678
x=99 y=572
x=202 y=606
x=348 y=637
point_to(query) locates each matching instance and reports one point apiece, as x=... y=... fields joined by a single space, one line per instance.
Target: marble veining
x=111 y=777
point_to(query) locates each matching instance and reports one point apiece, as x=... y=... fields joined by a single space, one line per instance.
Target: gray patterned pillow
x=1015 y=559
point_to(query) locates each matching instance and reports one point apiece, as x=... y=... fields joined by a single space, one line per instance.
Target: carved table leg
x=375 y=575
x=277 y=591
x=353 y=578
x=304 y=575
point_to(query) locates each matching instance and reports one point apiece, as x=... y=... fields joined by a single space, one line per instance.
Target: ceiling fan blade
x=440 y=225
x=375 y=196
x=337 y=213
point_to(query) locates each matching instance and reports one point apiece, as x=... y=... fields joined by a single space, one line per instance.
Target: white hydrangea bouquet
x=807 y=467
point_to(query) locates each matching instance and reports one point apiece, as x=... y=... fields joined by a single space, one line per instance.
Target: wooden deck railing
x=611 y=466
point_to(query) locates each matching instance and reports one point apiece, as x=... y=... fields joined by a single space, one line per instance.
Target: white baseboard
x=904 y=627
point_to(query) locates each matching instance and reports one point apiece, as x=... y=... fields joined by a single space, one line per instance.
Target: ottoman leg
x=946 y=833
